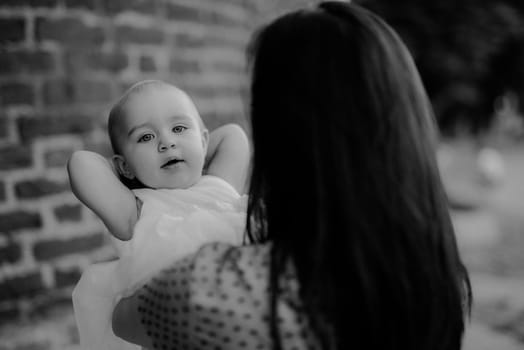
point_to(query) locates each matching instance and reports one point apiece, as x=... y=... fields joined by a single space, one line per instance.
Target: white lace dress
x=173 y=223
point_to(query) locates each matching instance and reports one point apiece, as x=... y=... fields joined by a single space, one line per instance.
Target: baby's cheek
x=147 y=178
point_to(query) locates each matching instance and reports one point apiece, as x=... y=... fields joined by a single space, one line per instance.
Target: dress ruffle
x=173 y=224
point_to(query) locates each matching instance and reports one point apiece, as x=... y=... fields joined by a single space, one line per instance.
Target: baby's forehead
x=166 y=91
x=178 y=102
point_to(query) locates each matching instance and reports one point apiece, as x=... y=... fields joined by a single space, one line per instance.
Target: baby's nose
x=166 y=145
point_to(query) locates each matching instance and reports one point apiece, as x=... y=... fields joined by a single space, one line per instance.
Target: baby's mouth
x=171 y=162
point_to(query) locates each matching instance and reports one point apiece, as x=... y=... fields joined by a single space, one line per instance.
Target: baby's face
x=163 y=144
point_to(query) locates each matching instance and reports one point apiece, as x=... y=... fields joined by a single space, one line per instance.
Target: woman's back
x=365 y=221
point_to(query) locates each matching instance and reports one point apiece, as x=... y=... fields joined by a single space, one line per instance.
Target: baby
x=161 y=148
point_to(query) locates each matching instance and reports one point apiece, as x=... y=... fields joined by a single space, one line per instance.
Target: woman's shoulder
x=224 y=253
x=216 y=262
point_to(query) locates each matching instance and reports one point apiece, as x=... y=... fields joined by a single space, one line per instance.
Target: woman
x=354 y=247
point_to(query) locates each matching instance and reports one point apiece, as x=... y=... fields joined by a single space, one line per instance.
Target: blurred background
x=62 y=63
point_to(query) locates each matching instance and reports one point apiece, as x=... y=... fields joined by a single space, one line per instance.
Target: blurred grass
x=490 y=222
x=488 y=216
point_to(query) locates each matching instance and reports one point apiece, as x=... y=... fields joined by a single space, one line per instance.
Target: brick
x=216 y=118
x=57 y=158
x=12 y=30
x=3 y=195
x=229 y=67
x=41 y=187
x=66 y=91
x=19 y=219
x=50 y=305
x=30 y=128
x=40 y=344
x=21 y=286
x=30 y=3
x=10 y=253
x=80 y=60
x=102 y=148
x=58 y=91
x=250 y=5
x=181 y=66
x=70 y=31
x=226 y=21
x=8 y=313
x=226 y=42
x=16 y=93
x=68 y=212
x=147 y=64
x=185 y=40
x=207 y=92
x=26 y=61
x=178 y=12
x=212 y=121
x=66 y=278
x=122 y=86
x=15 y=157
x=55 y=248
x=82 y=4
x=113 y=7
x=128 y=34
x=43 y=3
x=89 y=91
x=4 y=124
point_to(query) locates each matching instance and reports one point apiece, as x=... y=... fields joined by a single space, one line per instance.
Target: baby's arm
x=95 y=184
x=228 y=154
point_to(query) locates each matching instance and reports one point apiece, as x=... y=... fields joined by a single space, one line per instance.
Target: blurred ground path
x=489 y=223
x=481 y=337
x=498 y=310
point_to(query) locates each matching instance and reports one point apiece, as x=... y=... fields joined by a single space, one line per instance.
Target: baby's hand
x=228 y=154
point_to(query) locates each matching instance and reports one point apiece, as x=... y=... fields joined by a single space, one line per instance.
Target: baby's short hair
x=117 y=114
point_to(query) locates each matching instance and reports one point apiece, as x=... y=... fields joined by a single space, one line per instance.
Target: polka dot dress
x=217 y=299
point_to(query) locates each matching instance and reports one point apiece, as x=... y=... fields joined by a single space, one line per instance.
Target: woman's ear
x=120 y=164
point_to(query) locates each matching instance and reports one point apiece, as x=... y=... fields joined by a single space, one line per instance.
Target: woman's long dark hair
x=346 y=186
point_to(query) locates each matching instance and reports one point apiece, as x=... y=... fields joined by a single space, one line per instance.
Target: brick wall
x=62 y=63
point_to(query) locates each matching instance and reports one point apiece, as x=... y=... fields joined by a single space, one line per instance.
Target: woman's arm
x=95 y=184
x=209 y=292
x=228 y=155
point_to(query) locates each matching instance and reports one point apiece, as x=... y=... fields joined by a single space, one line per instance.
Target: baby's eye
x=179 y=128
x=145 y=138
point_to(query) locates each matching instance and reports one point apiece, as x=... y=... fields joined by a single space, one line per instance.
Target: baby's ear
x=120 y=164
x=205 y=140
